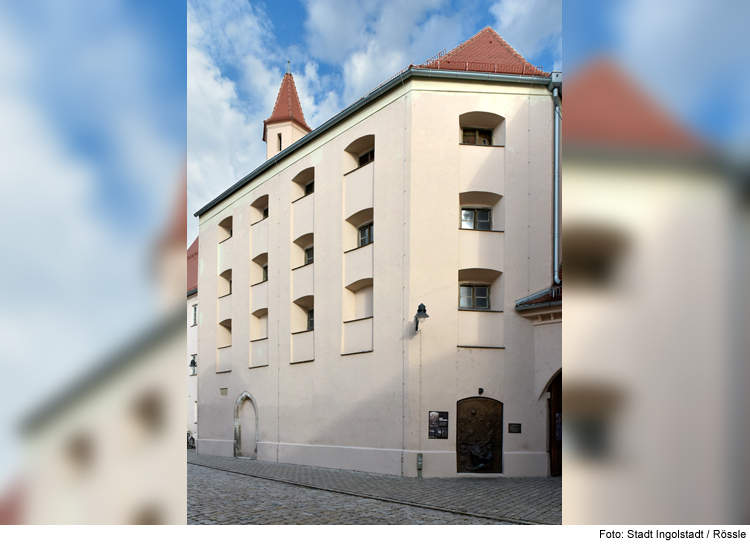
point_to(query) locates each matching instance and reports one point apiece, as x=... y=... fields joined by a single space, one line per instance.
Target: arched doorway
x=554 y=426
x=479 y=435
x=246 y=427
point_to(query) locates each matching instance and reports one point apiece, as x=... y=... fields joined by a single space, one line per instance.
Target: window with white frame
x=310 y=319
x=194 y=364
x=265 y=273
x=309 y=255
x=476 y=218
x=474 y=296
x=195 y=314
x=365 y=234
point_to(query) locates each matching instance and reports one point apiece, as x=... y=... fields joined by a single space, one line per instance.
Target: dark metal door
x=479 y=435
x=555 y=426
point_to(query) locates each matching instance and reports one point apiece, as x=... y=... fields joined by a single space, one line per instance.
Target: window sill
x=224 y=347
x=303 y=331
x=482 y=145
x=305 y=265
x=359 y=247
x=225 y=295
x=478 y=309
x=482 y=347
x=257 y=283
x=299 y=362
x=225 y=239
x=355 y=320
x=360 y=167
x=256 y=222
x=259 y=339
x=356 y=352
x=257 y=366
x=480 y=229
x=194 y=324
x=302 y=197
x=194 y=374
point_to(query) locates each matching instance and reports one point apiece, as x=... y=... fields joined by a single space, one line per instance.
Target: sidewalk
x=518 y=500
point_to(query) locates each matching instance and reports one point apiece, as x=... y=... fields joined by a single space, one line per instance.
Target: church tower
x=287 y=122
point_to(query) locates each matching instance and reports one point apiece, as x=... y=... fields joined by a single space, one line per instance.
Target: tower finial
x=288 y=66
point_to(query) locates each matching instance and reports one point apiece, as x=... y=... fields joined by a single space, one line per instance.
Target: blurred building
x=110 y=448
x=307 y=327
x=192 y=338
x=654 y=414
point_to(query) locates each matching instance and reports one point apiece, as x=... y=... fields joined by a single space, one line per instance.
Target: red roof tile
x=287 y=106
x=486 y=51
x=192 y=266
x=605 y=108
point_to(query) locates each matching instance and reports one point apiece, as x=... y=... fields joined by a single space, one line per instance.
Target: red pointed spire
x=287 y=106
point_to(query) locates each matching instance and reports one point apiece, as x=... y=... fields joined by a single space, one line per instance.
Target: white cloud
x=371 y=41
x=530 y=26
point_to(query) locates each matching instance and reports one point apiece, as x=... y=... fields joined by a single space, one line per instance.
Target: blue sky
x=237 y=52
x=690 y=55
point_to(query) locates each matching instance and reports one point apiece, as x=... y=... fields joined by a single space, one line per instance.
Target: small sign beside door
x=438 y=425
x=514 y=428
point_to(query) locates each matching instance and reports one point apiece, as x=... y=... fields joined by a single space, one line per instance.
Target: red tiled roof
x=287 y=106
x=605 y=108
x=486 y=51
x=174 y=233
x=192 y=266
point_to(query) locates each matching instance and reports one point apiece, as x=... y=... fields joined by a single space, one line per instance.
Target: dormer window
x=279 y=139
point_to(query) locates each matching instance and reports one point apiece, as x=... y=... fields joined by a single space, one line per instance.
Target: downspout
x=556 y=245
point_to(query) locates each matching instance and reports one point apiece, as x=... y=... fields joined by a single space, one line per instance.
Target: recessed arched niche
x=482 y=128
x=359 y=153
x=303 y=184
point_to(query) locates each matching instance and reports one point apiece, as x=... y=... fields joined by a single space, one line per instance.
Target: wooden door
x=479 y=435
x=555 y=426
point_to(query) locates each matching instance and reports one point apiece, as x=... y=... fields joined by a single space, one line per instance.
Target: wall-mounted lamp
x=421 y=315
x=193 y=366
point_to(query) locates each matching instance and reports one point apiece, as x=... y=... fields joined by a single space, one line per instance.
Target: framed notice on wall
x=438 y=425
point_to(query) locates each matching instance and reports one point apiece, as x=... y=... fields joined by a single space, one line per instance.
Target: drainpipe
x=556 y=247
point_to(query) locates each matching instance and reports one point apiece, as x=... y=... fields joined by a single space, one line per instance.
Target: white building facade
x=435 y=189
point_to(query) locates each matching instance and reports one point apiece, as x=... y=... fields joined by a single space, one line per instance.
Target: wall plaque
x=514 y=428
x=438 y=427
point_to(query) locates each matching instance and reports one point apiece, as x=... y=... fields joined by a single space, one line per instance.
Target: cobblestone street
x=224 y=490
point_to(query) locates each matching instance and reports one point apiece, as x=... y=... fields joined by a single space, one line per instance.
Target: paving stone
x=257 y=492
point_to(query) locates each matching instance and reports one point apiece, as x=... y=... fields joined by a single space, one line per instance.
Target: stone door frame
x=244 y=396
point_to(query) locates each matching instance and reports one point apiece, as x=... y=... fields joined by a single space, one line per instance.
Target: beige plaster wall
x=368 y=411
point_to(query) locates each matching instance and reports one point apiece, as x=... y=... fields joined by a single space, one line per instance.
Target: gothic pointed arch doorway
x=479 y=435
x=246 y=426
